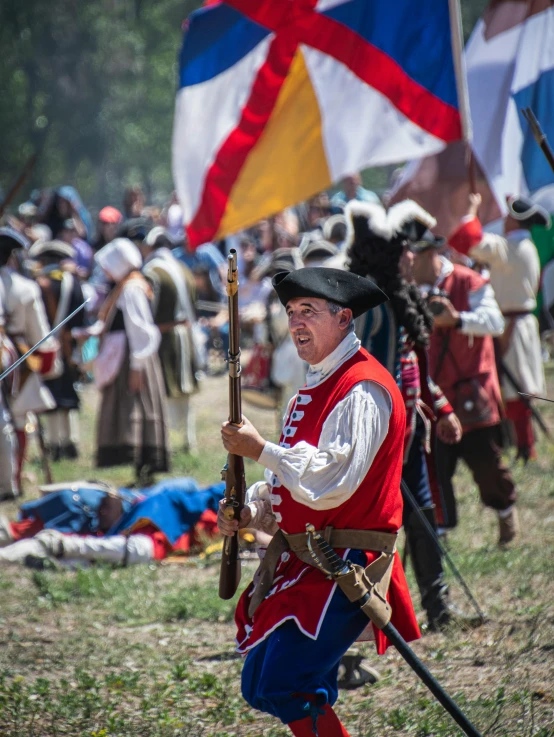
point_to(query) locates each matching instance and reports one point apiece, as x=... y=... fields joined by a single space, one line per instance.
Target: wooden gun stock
x=229 y=576
x=235 y=483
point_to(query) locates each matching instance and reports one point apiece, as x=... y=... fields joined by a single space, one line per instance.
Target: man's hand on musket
x=243 y=441
x=229 y=527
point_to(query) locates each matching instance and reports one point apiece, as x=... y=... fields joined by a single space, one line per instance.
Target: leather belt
x=380 y=542
x=517 y=313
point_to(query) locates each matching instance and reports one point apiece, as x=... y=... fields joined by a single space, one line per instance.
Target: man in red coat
x=337 y=466
x=462 y=362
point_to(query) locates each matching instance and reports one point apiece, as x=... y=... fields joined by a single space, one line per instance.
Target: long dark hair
x=379 y=259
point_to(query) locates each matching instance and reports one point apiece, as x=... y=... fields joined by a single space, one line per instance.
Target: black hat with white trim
x=527 y=212
x=11 y=239
x=54 y=249
x=409 y=220
x=317 y=248
x=341 y=287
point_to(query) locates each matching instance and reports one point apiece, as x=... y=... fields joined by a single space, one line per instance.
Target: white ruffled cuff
x=270 y=456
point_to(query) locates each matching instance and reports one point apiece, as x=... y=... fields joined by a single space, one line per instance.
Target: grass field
x=148 y=651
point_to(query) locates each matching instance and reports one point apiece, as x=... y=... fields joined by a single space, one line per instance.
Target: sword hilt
x=336 y=564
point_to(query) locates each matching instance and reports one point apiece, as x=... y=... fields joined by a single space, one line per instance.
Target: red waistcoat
x=301 y=592
x=468 y=356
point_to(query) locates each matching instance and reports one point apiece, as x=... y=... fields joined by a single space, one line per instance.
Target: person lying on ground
x=166 y=519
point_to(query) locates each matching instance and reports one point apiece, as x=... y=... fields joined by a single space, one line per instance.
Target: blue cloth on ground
x=71 y=510
x=176 y=506
x=173 y=506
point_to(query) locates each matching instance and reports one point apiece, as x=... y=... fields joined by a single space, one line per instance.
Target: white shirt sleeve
x=485 y=317
x=327 y=476
x=259 y=501
x=259 y=491
x=143 y=336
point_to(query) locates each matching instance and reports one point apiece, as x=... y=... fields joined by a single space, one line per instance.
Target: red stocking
x=328 y=725
x=521 y=416
x=22 y=443
x=26 y=528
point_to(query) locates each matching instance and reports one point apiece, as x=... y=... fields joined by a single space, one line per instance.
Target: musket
x=24 y=357
x=45 y=464
x=534 y=396
x=233 y=472
x=538 y=135
x=534 y=411
x=331 y=564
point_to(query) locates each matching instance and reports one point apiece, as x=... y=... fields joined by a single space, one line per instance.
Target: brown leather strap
x=382 y=542
x=264 y=576
x=517 y=313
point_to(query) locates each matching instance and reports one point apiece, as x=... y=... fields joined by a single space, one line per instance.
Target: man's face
x=315 y=331
x=109 y=230
x=426 y=266
x=350 y=184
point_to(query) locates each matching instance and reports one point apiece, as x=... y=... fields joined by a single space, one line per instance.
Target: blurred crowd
x=460 y=331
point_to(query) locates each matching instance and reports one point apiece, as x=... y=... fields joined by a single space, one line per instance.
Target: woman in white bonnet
x=132 y=421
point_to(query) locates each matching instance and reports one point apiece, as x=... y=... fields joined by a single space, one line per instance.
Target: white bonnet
x=119 y=258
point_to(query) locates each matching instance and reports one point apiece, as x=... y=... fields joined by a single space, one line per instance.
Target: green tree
x=91 y=87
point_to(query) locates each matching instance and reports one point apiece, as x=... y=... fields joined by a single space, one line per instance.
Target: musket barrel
x=235 y=485
x=235 y=403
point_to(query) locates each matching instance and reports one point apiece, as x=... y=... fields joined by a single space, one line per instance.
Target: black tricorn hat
x=55 y=248
x=11 y=239
x=528 y=212
x=341 y=287
x=136 y=229
x=426 y=240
